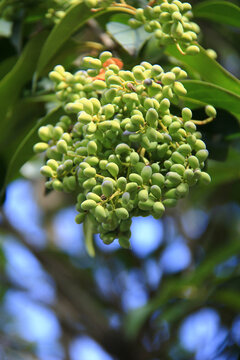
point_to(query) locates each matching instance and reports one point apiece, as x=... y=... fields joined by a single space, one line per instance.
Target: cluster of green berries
x=119 y=146
x=94 y=4
x=58 y=9
x=170 y=21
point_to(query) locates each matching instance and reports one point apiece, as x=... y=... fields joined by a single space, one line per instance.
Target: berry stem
x=203 y=122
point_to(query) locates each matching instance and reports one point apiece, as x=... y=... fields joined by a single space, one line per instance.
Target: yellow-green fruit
x=131 y=187
x=122 y=148
x=57 y=185
x=122 y=213
x=113 y=169
x=158 y=208
x=205 y=178
x=79 y=218
x=178 y=158
x=143 y=195
x=170 y=202
x=53 y=164
x=93 y=196
x=92 y=62
x=108 y=111
x=90 y=172
x=62 y=146
x=70 y=182
x=193 y=162
x=179 y=89
x=125 y=198
x=104 y=56
x=124 y=242
x=134 y=158
x=99 y=84
x=158 y=179
x=100 y=213
x=168 y=78
x=152 y=117
x=156 y=191
x=136 y=178
x=107 y=188
x=186 y=114
x=182 y=189
x=192 y=50
x=40 y=147
x=202 y=155
x=46 y=171
x=210 y=111
x=44 y=133
x=92 y=147
x=84 y=118
x=146 y=173
x=88 y=204
x=121 y=183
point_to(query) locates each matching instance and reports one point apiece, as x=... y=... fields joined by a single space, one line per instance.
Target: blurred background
x=174 y=295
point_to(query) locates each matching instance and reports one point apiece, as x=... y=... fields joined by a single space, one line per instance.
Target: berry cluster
x=169 y=20
x=119 y=146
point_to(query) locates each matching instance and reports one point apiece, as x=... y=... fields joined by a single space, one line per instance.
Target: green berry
x=107 y=188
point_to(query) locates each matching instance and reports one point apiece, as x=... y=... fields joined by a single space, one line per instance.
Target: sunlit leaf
x=209 y=69
x=208 y=93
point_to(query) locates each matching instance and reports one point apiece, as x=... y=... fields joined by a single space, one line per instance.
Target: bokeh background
x=174 y=295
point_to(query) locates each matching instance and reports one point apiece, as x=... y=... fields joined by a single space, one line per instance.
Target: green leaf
x=24 y=151
x=175 y=287
x=74 y=19
x=6 y=65
x=130 y=39
x=12 y=84
x=212 y=94
x=208 y=68
x=223 y=12
x=227 y=171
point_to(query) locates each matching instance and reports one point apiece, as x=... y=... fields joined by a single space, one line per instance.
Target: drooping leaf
x=209 y=69
x=74 y=19
x=212 y=94
x=24 y=151
x=223 y=12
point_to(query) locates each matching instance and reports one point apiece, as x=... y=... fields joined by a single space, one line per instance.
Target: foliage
x=37 y=36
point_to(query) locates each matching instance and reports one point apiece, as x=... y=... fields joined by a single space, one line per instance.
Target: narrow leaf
x=208 y=69
x=24 y=150
x=74 y=19
x=21 y=73
x=223 y=12
x=212 y=94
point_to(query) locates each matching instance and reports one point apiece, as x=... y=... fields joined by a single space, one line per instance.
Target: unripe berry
x=62 y=146
x=113 y=169
x=210 y=111
x=122 y=213
x=40 y=147
x=107 y=188
x=146 y=173
x=88 y=204
x=46 y=171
